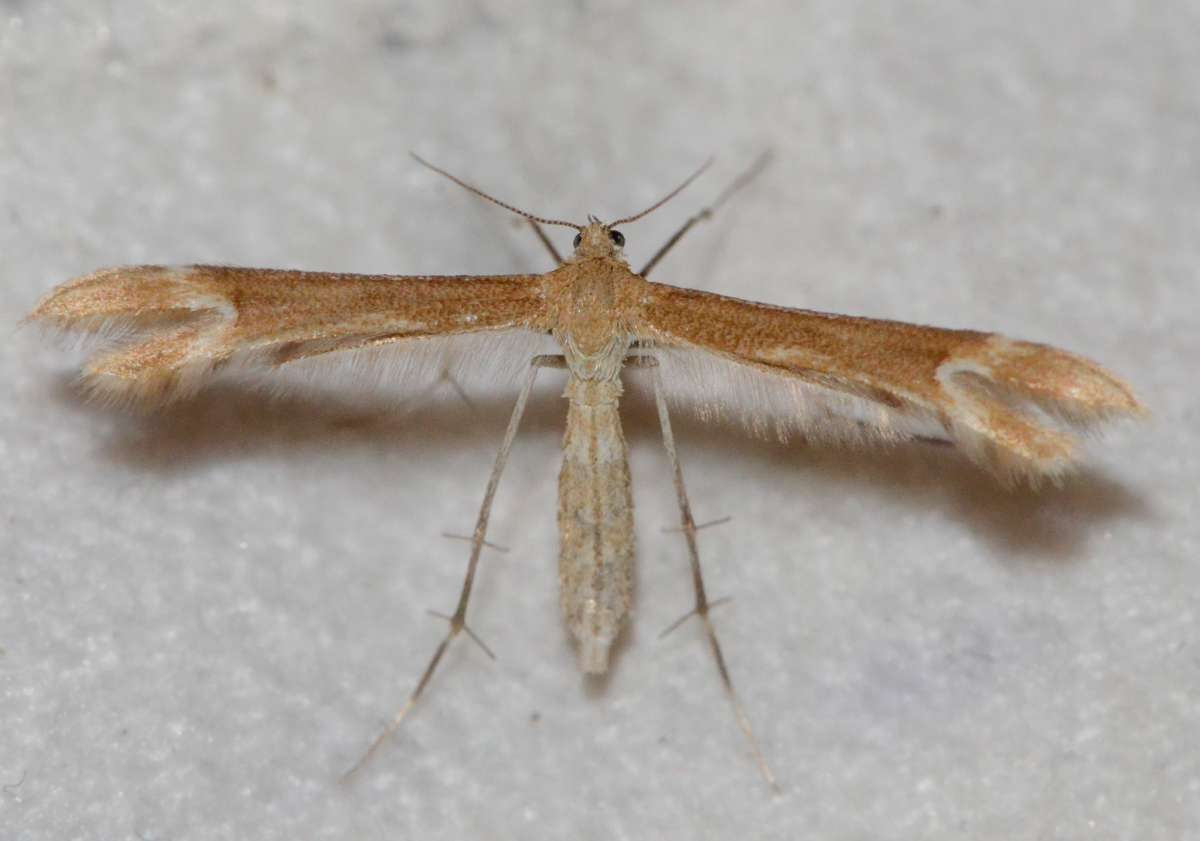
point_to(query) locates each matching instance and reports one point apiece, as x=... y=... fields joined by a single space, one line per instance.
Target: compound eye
x=578 y=239
x=617 y=237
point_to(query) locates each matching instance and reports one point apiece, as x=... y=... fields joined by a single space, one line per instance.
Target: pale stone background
x=206 y=614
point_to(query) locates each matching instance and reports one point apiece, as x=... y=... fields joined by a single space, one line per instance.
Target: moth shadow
x=1049 y=524
x=233 y=421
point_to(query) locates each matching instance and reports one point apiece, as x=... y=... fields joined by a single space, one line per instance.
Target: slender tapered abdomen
x=595 y=521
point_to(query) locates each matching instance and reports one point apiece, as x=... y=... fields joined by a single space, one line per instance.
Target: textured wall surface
x=207 y=613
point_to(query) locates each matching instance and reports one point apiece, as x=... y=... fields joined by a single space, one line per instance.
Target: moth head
x=597 y=239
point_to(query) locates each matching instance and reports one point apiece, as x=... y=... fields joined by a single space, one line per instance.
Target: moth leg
x=703 y=606
x=447 y=378
x=456 y=386
x=738 y=183
x=541 y=235
x=458 y=620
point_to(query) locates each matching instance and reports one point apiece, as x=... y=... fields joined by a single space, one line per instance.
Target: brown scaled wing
x=177 y=324
x=1009 y=404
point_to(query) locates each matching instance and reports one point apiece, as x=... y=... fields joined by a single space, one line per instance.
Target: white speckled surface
x=205 y=615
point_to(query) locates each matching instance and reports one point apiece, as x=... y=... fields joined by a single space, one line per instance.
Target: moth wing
x=1013 y=407
x=165 y=330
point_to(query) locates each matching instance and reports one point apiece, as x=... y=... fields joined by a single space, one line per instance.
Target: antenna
x=495 y=200
x=665 y=198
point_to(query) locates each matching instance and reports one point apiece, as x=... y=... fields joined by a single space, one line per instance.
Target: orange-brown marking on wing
x=979 y=386
x=188 y=320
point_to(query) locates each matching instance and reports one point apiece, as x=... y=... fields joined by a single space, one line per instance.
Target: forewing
x=1010 y=405
x=172 y=326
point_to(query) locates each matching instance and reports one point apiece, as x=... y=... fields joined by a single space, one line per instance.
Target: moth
x=1013 y=407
